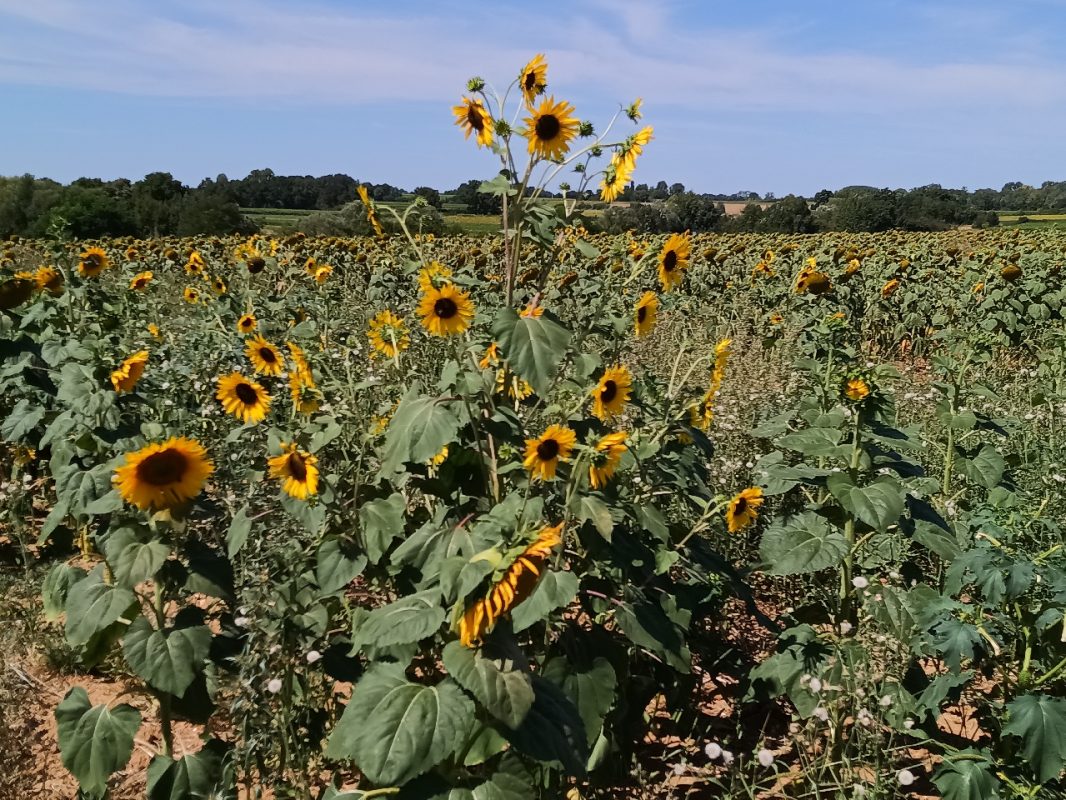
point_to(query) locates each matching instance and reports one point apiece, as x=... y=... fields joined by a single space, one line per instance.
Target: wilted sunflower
x=140 y=281
x=516 y=584
x=388 y=334
x=606 y=458
x=889 y=288
x=247 y=323
x=93 y=262
x=191 y=295
x=646 y=314
x=129 y=372
x=243 y=398
x=673 y=260
x=163 y=475
x=265 y=357
x=371 y=212
x=611 y=393
x=533 y=80
x=856 y=389
x=743 y=509
x=445 y=311
x=255 y=265
x=50 y=280
x=472 y=116
x=16 y=291
x=544 y=453
x=550 y=129
x=297 y=470
x=1011 y=273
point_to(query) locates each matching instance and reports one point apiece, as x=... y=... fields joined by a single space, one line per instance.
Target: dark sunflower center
x=741 y=506
x=642 y=314
x=530 y=82
x=256 y=264
x=163 y=468
x=246 y=323
x=445 y=308
x=548 y=127
x=474 y=119
x=267 y=355
x=670 y=261
x=297 y=467
x=547 y=450
x=246 y=394
x=609 y=391
x=94 y=259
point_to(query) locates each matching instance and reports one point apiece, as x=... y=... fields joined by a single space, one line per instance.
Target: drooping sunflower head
x=371 y=211
x=743 y=509
x=615 y=178
x=247 y=323
x=50 y=280
x=93 y=261
x=16 y=291
x=243 y=398
x=544 y=453
x=646 y=314
x=445 y=311
x=472 y=117
x=297 y=470
x=129 y=372
x=306 y=398
x=533 y=79
x=611 y=393
x=266 y=358
x=550 y=128
x=606 y=457
x=163 y=475
x=630 y=150
x=674 y=259
x=140 y=281
x=388 y=335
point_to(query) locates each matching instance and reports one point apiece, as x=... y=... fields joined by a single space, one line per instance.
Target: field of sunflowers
x=551 y=514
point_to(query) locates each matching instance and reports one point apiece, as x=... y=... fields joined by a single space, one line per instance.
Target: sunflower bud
x=564 y=187
x=501 y=127
x=633 y=112
x=585 y=129
x=475 y=84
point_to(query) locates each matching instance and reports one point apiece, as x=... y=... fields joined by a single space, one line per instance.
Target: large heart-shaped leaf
x=553 y=729
x=555 y=590
x=507 y=694
x=802 y=544
x=382 y=521
x=93 y=605
x=879 y=504
x=134 y=556
x=166 y=660
x=419 y=430
x=533 y=346
x=405 y=621
x=336 y=565
x=1040 y=722
x=967 y=780
x=94 y=742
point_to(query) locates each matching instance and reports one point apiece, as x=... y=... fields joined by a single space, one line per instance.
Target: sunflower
x=310 y=265
x=132 y=254
x=856 y=389
x=93 y=262
x=50 y=280
x=265 y=357
x=615 y=178
x=306 y=398
x=606 y=458
x=632 y=147
x=163 y=475
x=611 y=393
x=516 y=584
x=191 y=295
x=1011 y=273
x=388 y=334
x=322 y=274
x=218 y=285
x=299 y=360
x=154 y=330
x=243 y=398
x=371 y=212
x=16 y=291
x=129 y=372
x=544 y=453
x=140 y=281
x=673 y=259
x=533 y=79
x=297 y=470
x=550 y=129
x=255 y=265
x=817 y=283
x=646 y=314
x=195 y=264
x=743 y=509
x=247 y=323
x=445 y=311
x=472 y=116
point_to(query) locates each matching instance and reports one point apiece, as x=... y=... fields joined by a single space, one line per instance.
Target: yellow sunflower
x=631 y=148
x=743 y=509
x=129 y=372
x=544 y=453
x=615 y=178
x=140 y=281
x=606 y=458
x=472 y=116
x=310 y=265
x=550 y=128
x=646 y=314
x=611 y=393
x=533 y=80
x=247 y=323
x=306 y=398
x=322 y=274
x=296 y=470
x=371 y=212
x=50 y=280
x=673 y=260
x=93 y=261
x=516 y=584
x=163 y=475
x=218 y=285
x=191 y=295
x=243 y=398
x=195 y=264
x=856 y=389
x=154 y=330
x=265 y=357
x=388 y=334
x=889 y=288
x=445 y=311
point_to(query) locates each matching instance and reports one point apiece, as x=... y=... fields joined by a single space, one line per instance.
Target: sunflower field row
x=553 y=514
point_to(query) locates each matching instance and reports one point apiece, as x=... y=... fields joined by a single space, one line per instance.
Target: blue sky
x=766 y=95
